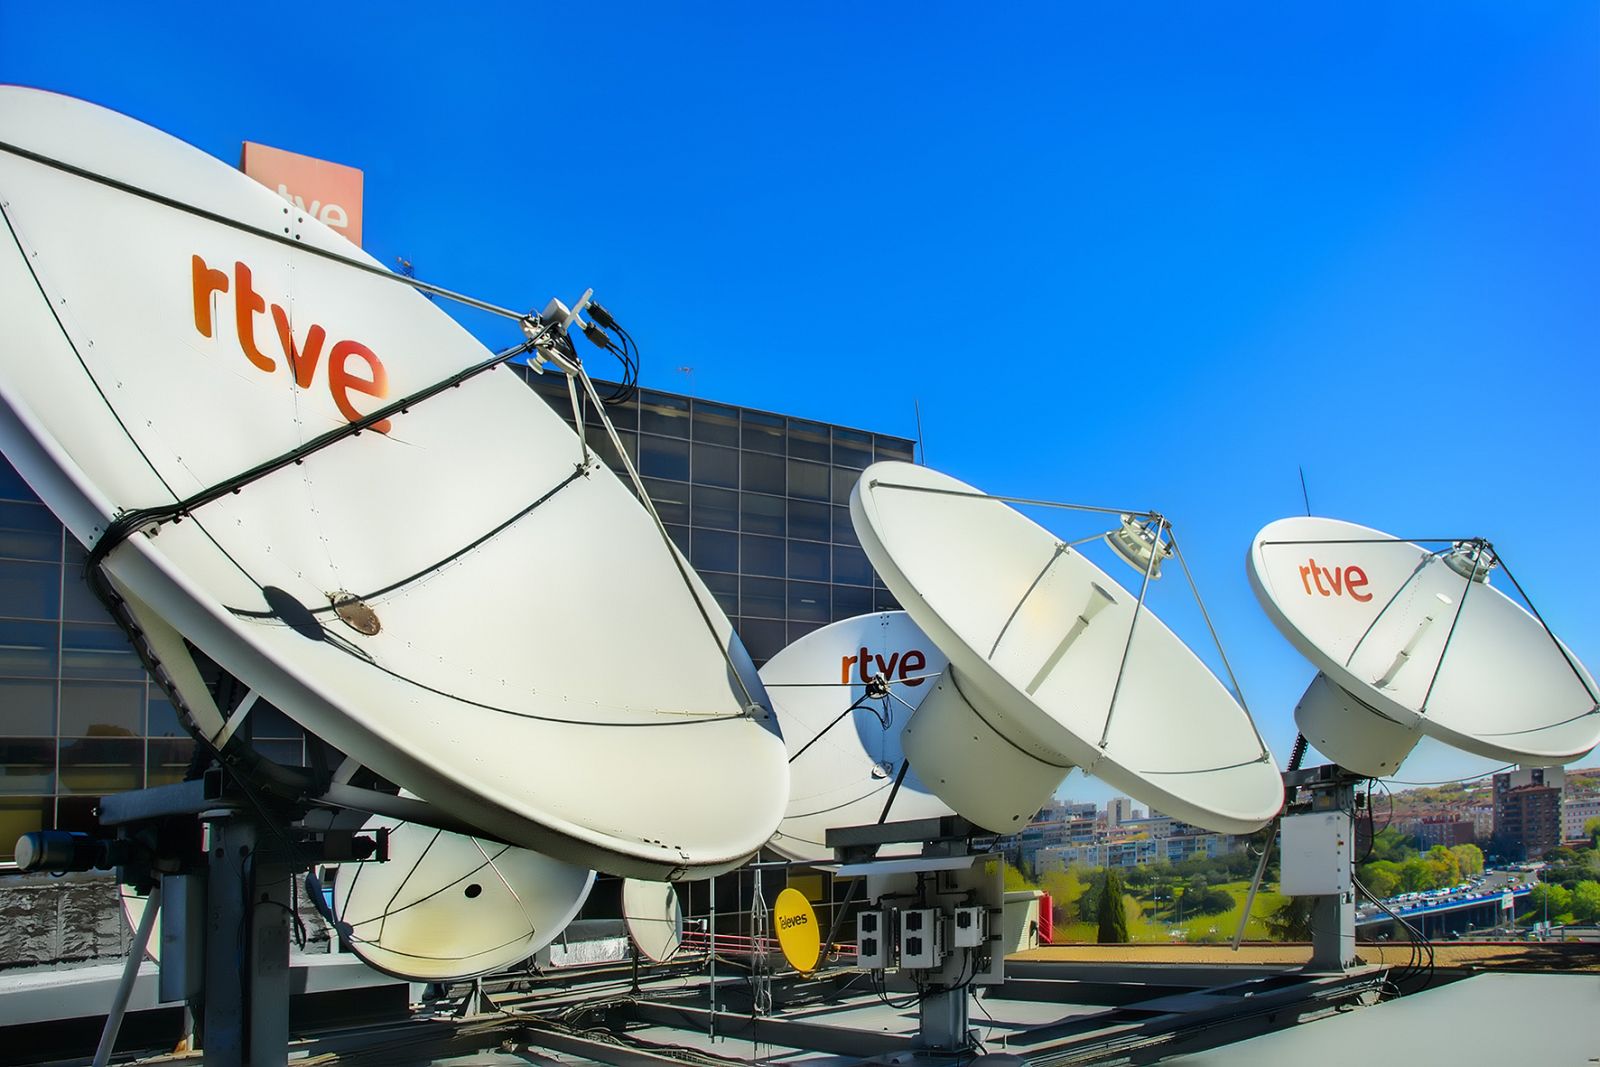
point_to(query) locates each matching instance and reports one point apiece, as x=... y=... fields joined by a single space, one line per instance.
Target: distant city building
x=1118 y=811
x=1138 y=851
x=1446 y=830
x=1574 y=813
x=1482 y=817
x=1527 y=812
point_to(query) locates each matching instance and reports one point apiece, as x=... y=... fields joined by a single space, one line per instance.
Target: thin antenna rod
x=1303 y=494
x=922 y=449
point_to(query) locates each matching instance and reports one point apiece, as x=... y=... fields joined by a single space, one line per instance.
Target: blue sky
x=1156 y=257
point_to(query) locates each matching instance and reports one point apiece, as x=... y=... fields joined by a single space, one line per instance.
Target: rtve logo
x=1340 y=580
x=302 y=360
x=909 y=662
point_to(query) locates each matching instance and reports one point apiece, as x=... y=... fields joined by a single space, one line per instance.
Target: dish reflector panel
x=441 y=599
x=799 y=936
x=445 y=906
x=1035 y=635
x=1417 y=642
x=654 y=917
x=842 y=771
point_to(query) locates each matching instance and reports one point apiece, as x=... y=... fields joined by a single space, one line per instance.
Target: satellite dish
x=842 y=763
x=799 y=936
x=1035 y=635
x=439 y=596
x=654 y=917
x=1411 y=642
x=445 y=906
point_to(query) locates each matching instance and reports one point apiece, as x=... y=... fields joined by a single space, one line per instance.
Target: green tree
x=1066 y=888
x=1113 y=911
x=1290 y=921
x=1470 y=859
x=1390 y=844
x=1591 y=830
x=1547 y=899
x=1415 y=875
x=1585 y=902
x=1444 y=866
x=1382 y=878
x=1015 y=879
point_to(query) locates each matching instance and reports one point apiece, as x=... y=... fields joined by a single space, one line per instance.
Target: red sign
x=330 y=192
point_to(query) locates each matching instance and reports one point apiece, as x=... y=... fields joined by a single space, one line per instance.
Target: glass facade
x=757 y=501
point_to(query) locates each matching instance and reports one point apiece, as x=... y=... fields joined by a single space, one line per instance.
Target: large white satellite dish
x=1409 y=641
x=1035 y=634
x=441 y=596
x=445 y=907
x=843 y=762
x=654 y=917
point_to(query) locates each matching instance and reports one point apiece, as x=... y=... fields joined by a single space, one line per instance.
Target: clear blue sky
x=1152 y=258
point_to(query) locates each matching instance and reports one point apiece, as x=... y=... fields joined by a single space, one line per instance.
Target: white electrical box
x=872 y=940
x=1317 y=852
x=921 y=939
x=969 y=928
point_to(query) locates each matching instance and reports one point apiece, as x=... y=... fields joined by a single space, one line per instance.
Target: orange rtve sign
x=330 y=192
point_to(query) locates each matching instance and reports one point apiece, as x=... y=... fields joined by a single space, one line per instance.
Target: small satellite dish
x=1035 y=634
x=799 y=936
x=654 y=917
x=1409 y=642
x=452 y=588
x=842 y=762
x=445 y=907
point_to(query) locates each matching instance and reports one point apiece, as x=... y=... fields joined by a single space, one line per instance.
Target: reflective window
x=882 y=600
x=12 y=487
x=28 y=707
x=716 y=509
x=167 y=760
x=762 y=473
x=808 y=561
x=680 y=537
x=27 y=765
x=714 y=465
x=850 y=565
x=662 y=457
x=843 y=482
x=101 y=709
x=664 y=414
x=850 y=601
x=162 y=717
x=808 y=440
x=844 y=531
x=761 y=432
x=78 y=602
x=601 y=446
x=809 y=521
x=670 y=498
x=725 y=587
x=851 y=448
x=715 y=424
x=30 y=590
x=715 y=550
x=893 y=448
x=268 y=721
x=29 y=531
x=28 y=648
x=101 y=765
x=287 y=753
x=761 y=555
x=809 y=602
x=22 y=815
x=763 y=597
x=762 y=638
x=762 y=514
x=809 y=481
x=89 y=651
x=797 y=630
